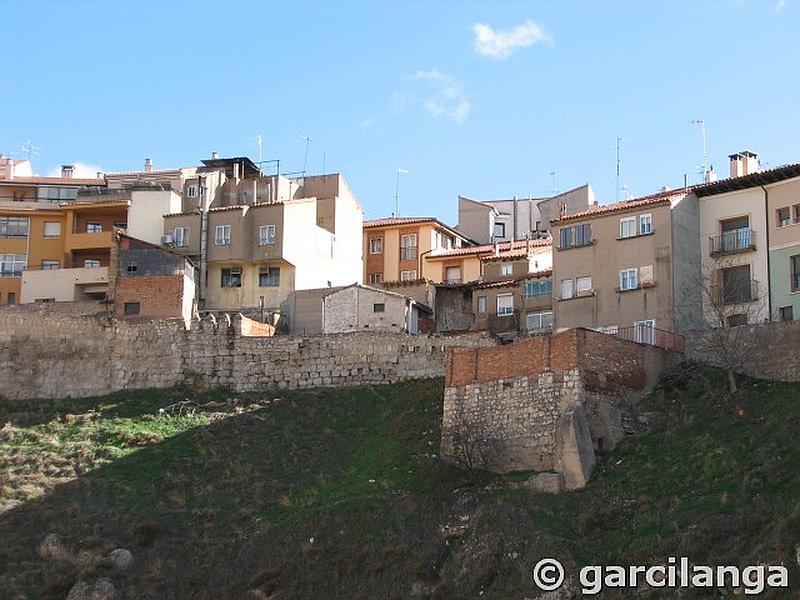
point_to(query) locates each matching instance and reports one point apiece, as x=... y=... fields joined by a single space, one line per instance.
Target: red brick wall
x=528 y=357
x=609 y=363
x=158 y=296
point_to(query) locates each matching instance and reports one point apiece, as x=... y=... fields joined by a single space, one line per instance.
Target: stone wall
x=544 y=403
x=772 y=349
x=49 y=355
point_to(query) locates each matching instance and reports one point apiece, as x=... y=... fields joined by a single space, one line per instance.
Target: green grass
x=341 y=494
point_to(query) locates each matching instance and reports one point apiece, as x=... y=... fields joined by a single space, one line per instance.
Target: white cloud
x=82 y=171
x=502 y=44
x=779 y=6
x=445 y=97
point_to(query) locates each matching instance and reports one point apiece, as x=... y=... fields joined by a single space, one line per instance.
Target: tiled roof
x=223 y=208
x=398 y=221
x=51 y=181
x=516 y=280
x=505 y=249
x=762 y=177
x=654 y=199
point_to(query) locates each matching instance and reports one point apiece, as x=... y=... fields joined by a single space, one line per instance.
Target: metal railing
x=737 y=240
x=661 y=338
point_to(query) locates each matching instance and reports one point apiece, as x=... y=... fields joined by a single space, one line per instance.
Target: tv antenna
x=553 y=175
x=704 y=166
x=619 y=161
x=30 y=149
x=397 y=191
x=308 y=141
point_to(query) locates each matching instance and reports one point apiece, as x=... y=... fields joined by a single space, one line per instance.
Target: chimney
x=148 y=165
x=497 y=248
x=710 y=175
x=67 y=171
x=99 y=174
x=214 y=155
x=744 y=163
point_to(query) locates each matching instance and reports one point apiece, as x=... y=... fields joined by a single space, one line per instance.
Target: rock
x=797 y=554
x=52 y=547
x=648 y=418
x=575 y=452
x=120 y=559
x=545 y=483
x=101 y=589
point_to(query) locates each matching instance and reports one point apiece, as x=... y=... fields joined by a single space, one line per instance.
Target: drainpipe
x=769 y=270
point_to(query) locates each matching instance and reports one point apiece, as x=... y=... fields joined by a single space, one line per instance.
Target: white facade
x=146 y=211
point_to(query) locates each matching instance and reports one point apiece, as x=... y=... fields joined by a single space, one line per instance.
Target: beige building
x=489 y=221
x=360 y=307
x=613 y=266
x=396 y=249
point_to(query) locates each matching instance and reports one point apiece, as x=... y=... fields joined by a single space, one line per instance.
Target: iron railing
x=661 y=338
x=737 y=240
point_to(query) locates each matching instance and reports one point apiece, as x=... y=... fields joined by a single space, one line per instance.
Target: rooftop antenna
x=619 y=161
x=30 y=149
x=397 y=191
x=553 y=175
x=704 y=166
x=260 y=158
x=308 y=141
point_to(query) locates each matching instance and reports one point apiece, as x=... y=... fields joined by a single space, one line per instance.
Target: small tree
x=470 y=446
x=731 y=298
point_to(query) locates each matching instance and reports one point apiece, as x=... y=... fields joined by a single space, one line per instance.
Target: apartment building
x=613 y=266
x=39 y=227
x=263 y=237
x=396 y=249
x=489 y=221
x=750 y=243
x=466 y=264
x=516 y=291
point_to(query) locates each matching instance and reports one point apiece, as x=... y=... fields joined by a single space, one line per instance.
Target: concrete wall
x=63 y=285
x=50 y=355
x=686 y=264
x=146 y=213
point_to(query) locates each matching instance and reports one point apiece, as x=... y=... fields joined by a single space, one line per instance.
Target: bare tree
x=469 y=445
x=731 y=299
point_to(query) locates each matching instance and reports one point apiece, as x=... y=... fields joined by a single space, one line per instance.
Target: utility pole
x=619 y=141
x=397 y=191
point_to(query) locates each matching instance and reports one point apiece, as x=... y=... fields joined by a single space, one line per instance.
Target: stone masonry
x=544 y=403
x=50 y=355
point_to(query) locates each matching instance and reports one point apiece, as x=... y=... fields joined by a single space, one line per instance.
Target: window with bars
x=269 y=276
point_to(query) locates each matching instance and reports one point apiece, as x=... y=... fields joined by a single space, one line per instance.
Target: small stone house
x=150 y=281
x=359 y=307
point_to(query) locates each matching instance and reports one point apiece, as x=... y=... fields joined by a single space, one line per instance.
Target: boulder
x=575 y=453
x=120 y=559
x=100 y=589
x=52 y=547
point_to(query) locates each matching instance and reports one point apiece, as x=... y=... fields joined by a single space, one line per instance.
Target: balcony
x=89 y=241
x=732 y=242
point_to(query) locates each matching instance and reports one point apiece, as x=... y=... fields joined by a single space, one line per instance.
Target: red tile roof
x=506 y=249
x=52 y=181
x=616 y=207
x=515 y=281
x=389 y=221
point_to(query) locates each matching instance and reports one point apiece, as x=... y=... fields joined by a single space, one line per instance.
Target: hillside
x=341 y=494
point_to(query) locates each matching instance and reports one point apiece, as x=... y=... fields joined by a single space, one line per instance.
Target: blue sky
x=546 y=86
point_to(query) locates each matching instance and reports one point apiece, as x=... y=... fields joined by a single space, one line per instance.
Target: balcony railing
x=661 y=338
x=408 y=253
x=738 y=240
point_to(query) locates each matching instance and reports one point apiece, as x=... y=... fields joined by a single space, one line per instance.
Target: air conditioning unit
x=167 y=240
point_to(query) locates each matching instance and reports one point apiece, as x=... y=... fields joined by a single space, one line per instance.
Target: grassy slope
x=336 y=494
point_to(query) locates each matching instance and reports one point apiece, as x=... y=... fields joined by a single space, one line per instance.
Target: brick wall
x=49 y=355
x=158 y=296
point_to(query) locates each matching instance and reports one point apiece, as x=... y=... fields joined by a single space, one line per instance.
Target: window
x=784 y=217
x=736 y=285
x=266 y=235
x=797 y=213
x=222 y=235
x=191 y=191
x=132 y=268
x=91 y=263
x=506 y=269
x=539 y=289
x=180 y=237
x=627 y=227
x=628 y=279
x=132 y=308
x=50 y=265
x=54 y=195
x=499 y=230
x=481 y=305
x=786 y=313
x=408 y=275
x=566 y=289
x=52 y=229
x=583 y=234
x=565 y=237
x=539 y=320
x=452 y=274
x=583 y=285
x=94 y=227
x=12 y=297
x=505 y=305
x=408 y=246
x=231 y=278
x=12 y=265
x=376 y=245
x=736 y=234
x=44 y=300
x=794 y=263
x=13 y=227
x=737 y=320
x=645 y=331
x=269 y=276
x=378 y=307
x=645 y=224
x=375 y=278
